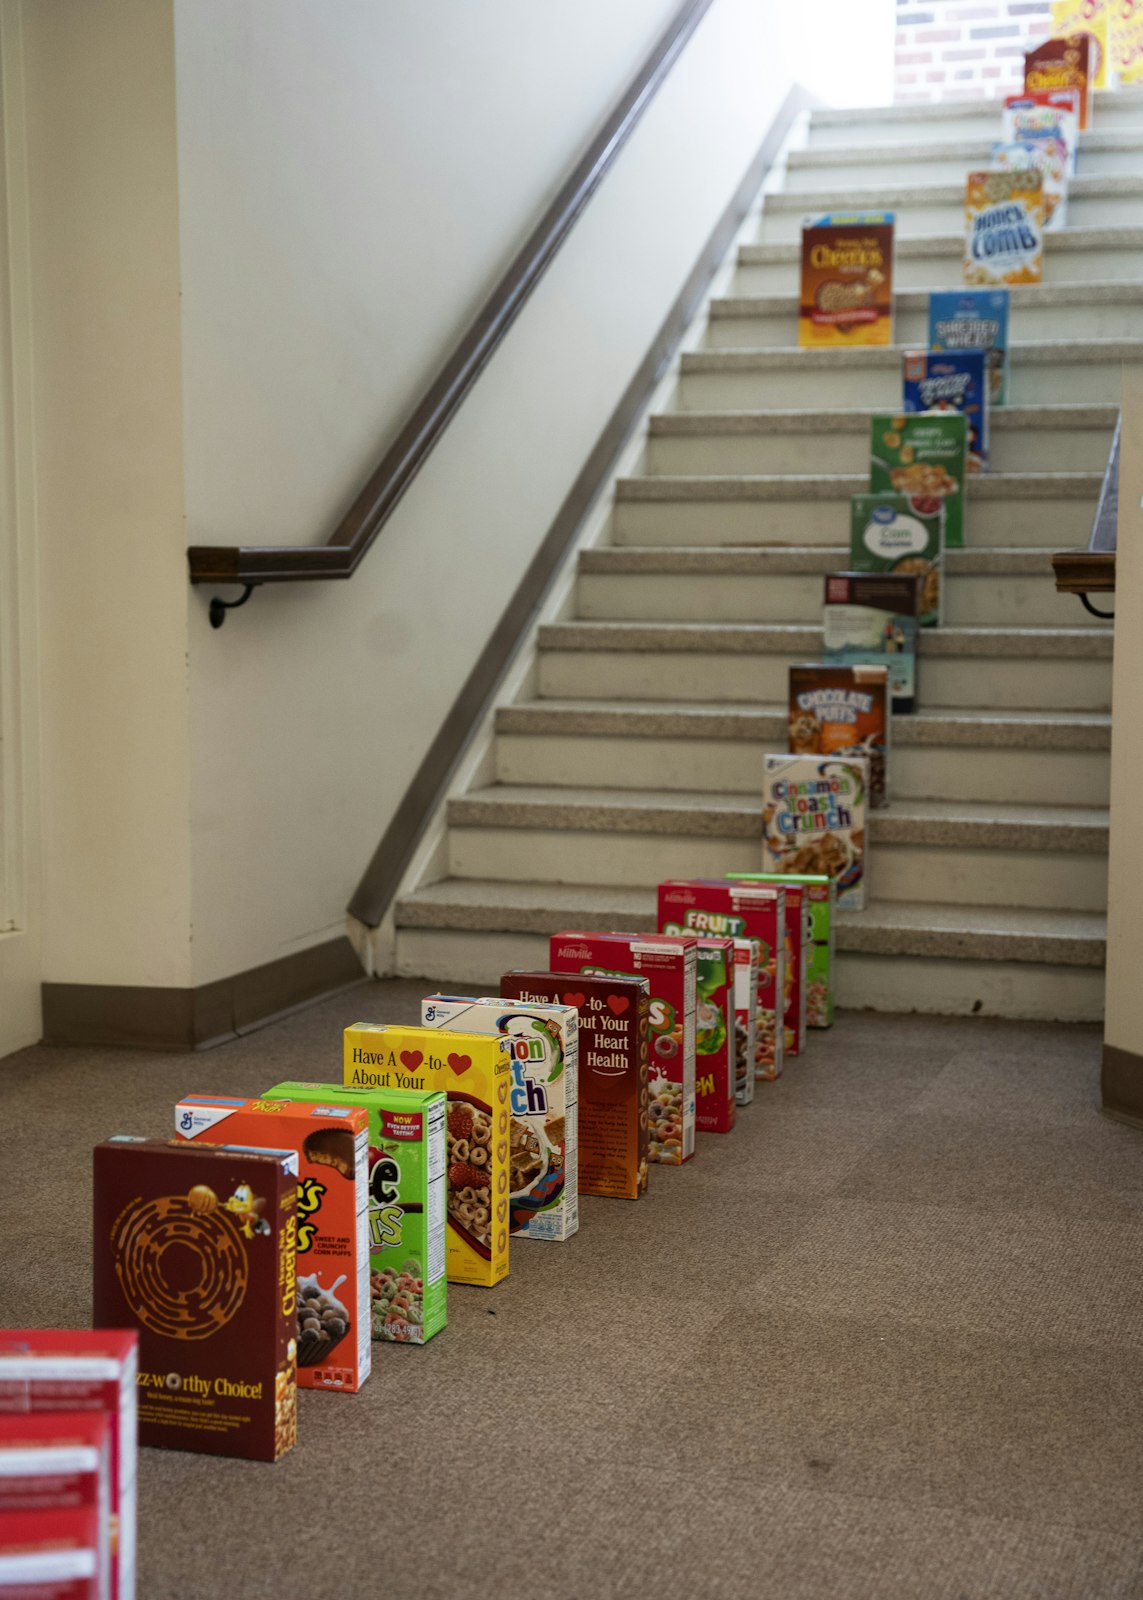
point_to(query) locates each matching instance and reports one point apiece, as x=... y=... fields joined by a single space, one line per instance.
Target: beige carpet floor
x=882 y=1341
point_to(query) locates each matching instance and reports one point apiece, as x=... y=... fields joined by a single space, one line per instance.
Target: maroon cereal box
x=58 y=1373
x=734 y=910
x=716 y=1109
x=746 y=952
x=195 y=1247
x=612 y=1072
x=51 y=1555
x=670 y=963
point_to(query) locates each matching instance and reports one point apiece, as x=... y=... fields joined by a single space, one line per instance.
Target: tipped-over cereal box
x=716 y=1108
x=820 y=904
x=869 y=619
x=332 y=1145
x=974 y=319
x=543 y=1186
x=1062 y=64
x=1004 y=216
x=813 y=820
x=670 y=965
x=712 y=906
x=842 y=711
x=612 y=1104
x=404 y=1220
x=925 y=457
x=747 y=953
x=847 y=279
x=475 y=1072
x=954 y=380
x=899 y=539
x=194 y=1247
x=1091 y=20
x=61 y=1373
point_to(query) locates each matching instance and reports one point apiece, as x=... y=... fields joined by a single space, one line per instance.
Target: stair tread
x=747 y=637
x=1024 y=296
x=811 y=559
x=894 y=196
x=840 y=419
x=919 y=246
x=1092 y=139
x=1028 y=352
x=825 y=486
x=841 y=116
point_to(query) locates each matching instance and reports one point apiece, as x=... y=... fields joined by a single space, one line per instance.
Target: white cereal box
x=745 y=1018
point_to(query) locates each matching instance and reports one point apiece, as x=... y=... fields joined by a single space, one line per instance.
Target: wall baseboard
x=195 y=1019
x=1121 y=1084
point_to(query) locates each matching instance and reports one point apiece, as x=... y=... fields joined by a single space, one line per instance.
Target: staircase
x=635 y=750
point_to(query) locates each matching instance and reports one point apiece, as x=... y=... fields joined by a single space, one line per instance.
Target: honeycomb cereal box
x=1063 y=63
x=847 y=279
x=813 y=820
x=543 y=1187
x=475 y=1071
x=1091 y=20
x=404 y=1219
x=746 y=954
x=820 y=905
x=1004 y=217
x=612 y=1093
x=716 y=1108
x=702 y=906
x=331 y=1142
x=925 y=458
x=670 y=965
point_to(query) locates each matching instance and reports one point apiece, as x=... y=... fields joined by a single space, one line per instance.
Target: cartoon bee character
x=246 y=1206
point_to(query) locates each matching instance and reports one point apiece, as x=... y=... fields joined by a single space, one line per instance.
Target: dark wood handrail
x=1092 y=571
x=342 y=552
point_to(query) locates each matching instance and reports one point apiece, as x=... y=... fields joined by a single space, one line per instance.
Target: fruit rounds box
x=543 y=1177
x=716 y=1108
x=332 y=1144
x=670 y=965
x=405 y=1204
x=730 y=910
x=818 y=969
x=475 y=1071
x=55 y=1371
x=612 y=1073
x=51 y=1555
x=746 y=953
x=195 y=1247
x=59 y=1462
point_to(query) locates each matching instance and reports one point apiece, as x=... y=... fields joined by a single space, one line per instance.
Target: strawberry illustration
x=460 y=1122
x=463 y=1175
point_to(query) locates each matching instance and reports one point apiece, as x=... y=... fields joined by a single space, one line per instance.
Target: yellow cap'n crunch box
x=475 y=1072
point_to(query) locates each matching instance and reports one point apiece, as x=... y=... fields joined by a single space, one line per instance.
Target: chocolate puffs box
x=195 y=1247
x=612 y=1072
x=475 y=1071
x=332 y=1146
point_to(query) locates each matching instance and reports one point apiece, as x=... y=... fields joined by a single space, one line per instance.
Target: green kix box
x=406 y=1212
x=821 y=906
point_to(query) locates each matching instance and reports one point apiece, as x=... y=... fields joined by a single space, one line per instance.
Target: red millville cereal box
x=334 y=1313
x=612 y=1073
x=734 y=910
x=716 y=1109
x=54 y=1372
x=50 y=1555
x=59 y=1461
x=670 y=963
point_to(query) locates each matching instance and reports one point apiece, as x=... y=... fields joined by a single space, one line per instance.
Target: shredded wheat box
x=716 y=1107
x=974 y=319
x=746 y=958
x=475 y=1071
x=925 y=458
x=820 y=905
x=729 y=910
x=813 y=820
x=670 y=966
x=331 y=1142
x=951 y=381
x=543 y=1181
x=869 y=619
x=847 y=279
x=405 y=1204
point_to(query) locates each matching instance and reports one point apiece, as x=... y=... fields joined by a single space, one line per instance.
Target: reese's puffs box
x=847 y=279
x=475 y=1071
x=335 y=1349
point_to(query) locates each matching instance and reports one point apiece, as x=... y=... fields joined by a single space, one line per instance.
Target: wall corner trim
x=1121 y=1084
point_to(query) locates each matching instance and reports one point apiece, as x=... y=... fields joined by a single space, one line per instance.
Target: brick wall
x=963 y=49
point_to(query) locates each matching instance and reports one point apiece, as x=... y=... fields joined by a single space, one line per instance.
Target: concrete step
x=892 y=957
x=1103 y=153
x=1047 y=757
x=1039 y=312
x=1042 y=372
x=1044 y=509
x=926 y=208
x=1077 y=255
x=1046 y=438
x=995 y=587
x=1115 y=110
x=1021 y=668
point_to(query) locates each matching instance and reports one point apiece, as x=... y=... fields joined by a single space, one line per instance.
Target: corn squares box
x=1063 y=63
x=404 y=1218
x=1092 y=20
x=954 y=381
x=925 y=458
x=475 y=1071
x=702 y=906
x=195 y=1248
x=670 y=965
x=543 y=1144
x=813 y=820
x=60 y=1375
x=820 y=905
x=1004 y=214
x=843 y=711
x=974 y=319
x=332 y=1145
x=51 y=1555
x=1127 y=41
x=1048 y=157
x=60 y=1462
x=847 y=279
x=747 y=953
x=869 y=619
x=900 y=541
x=716 y=1108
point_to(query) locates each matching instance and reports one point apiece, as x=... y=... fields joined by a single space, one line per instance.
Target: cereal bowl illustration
x=323 y=1319
x=666 y=1119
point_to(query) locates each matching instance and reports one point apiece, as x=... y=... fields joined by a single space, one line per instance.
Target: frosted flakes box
x=670 y=965
x=543 y=1145
x=974 y=319
x=870 y=619
x=331 y=1143
x=924 y=457
x=847 y=279
x=475 y=1071
x=952 y=381
x=894 y=536
x=813 y=820
x=842 y=711
x=612 y=1104
x=1064 y=63
x=820 y=905
x=746 y=958
x=713 y=906
x=716 y=1108
x=1004 y=217
x=1091 y=20
x=1048 y=157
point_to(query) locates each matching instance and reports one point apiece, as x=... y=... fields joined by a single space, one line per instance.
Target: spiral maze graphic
x=152 y=1228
